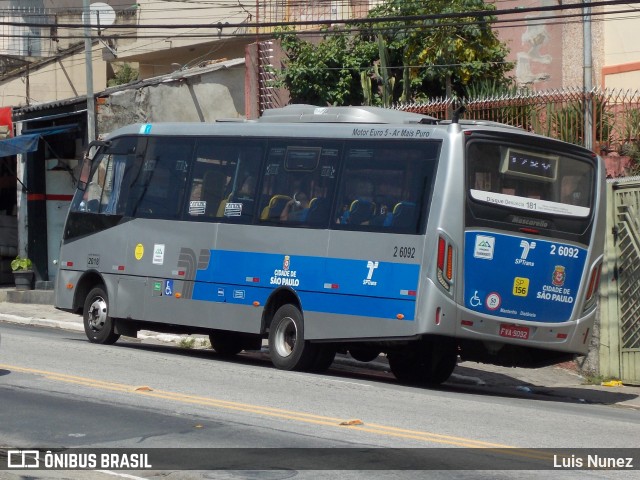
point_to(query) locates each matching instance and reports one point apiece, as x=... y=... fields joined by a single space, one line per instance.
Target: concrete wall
x=549 y=51
x=152 y=12
x=55 y=80
x=621 y=55
x=197 y=95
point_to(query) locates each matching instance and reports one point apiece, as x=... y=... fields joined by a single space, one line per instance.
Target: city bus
x=352 y=230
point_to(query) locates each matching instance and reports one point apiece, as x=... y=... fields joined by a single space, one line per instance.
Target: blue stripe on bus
x=311 y=301
x=328 y=285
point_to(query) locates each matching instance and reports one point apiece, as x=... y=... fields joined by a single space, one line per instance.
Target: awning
x=21 y=144
x=28 y=142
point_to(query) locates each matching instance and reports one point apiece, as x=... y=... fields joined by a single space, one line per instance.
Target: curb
x=79 y=327
x=41 y=322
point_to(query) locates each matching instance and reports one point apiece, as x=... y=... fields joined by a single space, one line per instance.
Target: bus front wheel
x=98 y=325
x=287 y=347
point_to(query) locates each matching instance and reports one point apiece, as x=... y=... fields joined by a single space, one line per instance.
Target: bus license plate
x=514 y=331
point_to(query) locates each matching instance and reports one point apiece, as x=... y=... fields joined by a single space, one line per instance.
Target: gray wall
x=196 y=95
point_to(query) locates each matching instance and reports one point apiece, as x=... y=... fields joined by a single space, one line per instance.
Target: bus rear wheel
x=98 y=325
x=287 y=347
x=226 y=344
x=430 y=362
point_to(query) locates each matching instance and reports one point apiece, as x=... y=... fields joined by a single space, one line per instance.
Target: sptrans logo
x=371 y=266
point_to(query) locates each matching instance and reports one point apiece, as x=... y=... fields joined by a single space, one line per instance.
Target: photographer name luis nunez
x=592 y=461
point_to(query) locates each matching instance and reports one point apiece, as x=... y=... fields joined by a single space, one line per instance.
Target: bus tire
x=427 y=363
x=364 y=353
x=226 y=344
x=98 y=325
x=324 y=358
x=287 y=347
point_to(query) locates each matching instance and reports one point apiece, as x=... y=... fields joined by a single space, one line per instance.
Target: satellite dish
x=101 y=15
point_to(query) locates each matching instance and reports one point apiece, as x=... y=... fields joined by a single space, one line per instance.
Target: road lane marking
x=122 y=475
x=383 y=430
x=350 y=383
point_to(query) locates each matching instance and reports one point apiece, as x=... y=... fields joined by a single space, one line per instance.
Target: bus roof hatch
x=299 y=113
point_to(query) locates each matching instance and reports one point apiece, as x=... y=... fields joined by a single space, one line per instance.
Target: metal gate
x=620 y=329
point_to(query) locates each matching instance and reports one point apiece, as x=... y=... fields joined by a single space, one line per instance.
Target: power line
x=508 y=23
x=478 y=14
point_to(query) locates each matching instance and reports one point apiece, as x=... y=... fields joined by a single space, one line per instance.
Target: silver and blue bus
x=357 y=230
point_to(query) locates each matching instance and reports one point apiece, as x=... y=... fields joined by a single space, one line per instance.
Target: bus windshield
x=527 y=179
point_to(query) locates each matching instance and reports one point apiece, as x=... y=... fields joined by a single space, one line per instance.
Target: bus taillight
x=441 y=249
x=594 y=284
x=445 y=263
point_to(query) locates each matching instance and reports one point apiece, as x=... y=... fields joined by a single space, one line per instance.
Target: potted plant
x=22 y=273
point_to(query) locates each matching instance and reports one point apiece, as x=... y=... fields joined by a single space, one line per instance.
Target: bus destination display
x=525 y=163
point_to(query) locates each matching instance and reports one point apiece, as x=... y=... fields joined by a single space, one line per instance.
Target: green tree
x=437 y=56
x=444 y=55
x=327 y=72
x=124 y=74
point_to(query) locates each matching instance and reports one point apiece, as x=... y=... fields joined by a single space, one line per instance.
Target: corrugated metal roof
x=19 y=114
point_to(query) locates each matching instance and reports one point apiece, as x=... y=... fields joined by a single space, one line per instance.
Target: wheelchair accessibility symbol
x=475 y=300
x=168 y=288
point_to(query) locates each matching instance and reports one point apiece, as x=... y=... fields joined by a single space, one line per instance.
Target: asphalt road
x=59 y=391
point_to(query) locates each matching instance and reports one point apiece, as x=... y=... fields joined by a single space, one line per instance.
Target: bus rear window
x=524 y=178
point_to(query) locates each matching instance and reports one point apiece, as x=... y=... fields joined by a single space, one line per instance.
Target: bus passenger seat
x=212 y=191
x=273 y=210
x=223 y=204
x=404 y=214
x=318 y=211
x=361 y=211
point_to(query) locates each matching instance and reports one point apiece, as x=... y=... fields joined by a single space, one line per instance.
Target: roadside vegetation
x=396 y=61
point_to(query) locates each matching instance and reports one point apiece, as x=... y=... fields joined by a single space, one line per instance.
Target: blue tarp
x=21 y=144
x=29 y=141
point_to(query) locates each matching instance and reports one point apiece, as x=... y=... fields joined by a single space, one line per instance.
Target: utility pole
x=587 y=79
x=88 y=45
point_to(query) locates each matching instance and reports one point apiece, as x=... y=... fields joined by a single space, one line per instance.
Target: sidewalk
x=555 y=383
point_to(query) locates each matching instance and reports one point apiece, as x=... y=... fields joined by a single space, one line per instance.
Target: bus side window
x=157 y=190
x=298 y=182
x=385 y=186
x=224 y=180
x=207 y=192
x=98 y=189
x=213 y=185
